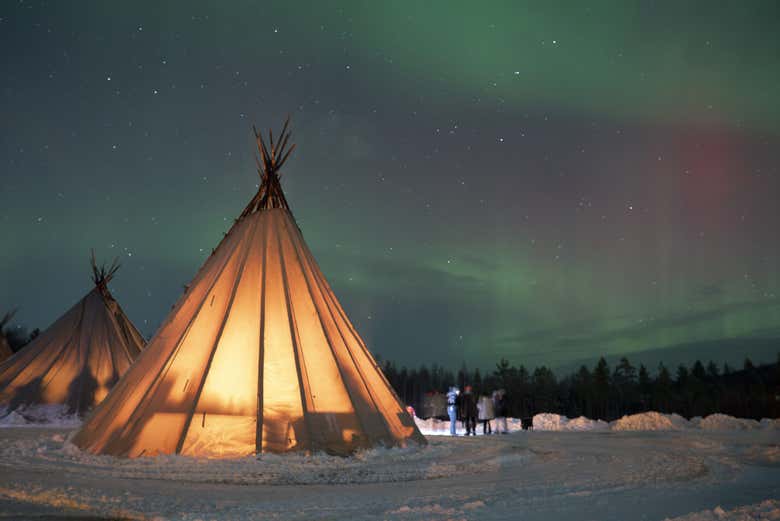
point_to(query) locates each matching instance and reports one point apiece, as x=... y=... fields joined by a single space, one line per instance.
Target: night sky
x=545 y=183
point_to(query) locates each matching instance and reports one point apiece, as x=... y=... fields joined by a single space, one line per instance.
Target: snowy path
x=534 y=476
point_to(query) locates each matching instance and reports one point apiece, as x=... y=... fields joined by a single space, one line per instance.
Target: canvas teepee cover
x=257 y=355
x=5 y=347
x=77 y=360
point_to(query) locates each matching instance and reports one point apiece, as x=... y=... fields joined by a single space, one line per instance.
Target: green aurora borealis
x=545 y=182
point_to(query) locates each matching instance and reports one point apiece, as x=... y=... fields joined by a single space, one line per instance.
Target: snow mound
x=650 y=421
x=769 y=509
x=769 y=423
x=40 y=416
x=586 y=424
x=555 y=422
x=548 y=421
x=678 y=421
x=724 y=422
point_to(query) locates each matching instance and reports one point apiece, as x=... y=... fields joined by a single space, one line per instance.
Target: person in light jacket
x=452 y=408
x=500 y=409
x=486 y=414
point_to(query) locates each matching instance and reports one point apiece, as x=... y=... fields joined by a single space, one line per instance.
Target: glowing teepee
x=76 y=361
x=5 y=347
x=257 y=355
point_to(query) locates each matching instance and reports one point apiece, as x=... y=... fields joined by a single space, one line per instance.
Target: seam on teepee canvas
x=261 y=348
x=120 y=337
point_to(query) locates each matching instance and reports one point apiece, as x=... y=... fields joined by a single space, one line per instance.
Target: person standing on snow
x=485 y=413
x=452 y=408
x=500 y=409
x=468 y=411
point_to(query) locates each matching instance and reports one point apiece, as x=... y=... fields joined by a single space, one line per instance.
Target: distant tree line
x=607 y=393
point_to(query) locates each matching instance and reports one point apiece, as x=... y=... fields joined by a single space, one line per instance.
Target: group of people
x=470 y=408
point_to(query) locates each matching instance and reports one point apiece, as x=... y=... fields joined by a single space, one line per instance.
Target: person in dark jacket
x=468 y=410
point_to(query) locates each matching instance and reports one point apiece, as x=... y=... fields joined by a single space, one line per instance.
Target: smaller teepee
x=76 y=361
x=5 y=347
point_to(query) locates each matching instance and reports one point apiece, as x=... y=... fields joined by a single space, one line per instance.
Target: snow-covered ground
x=766 y=510
x=39 y=416
x=686 y=473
